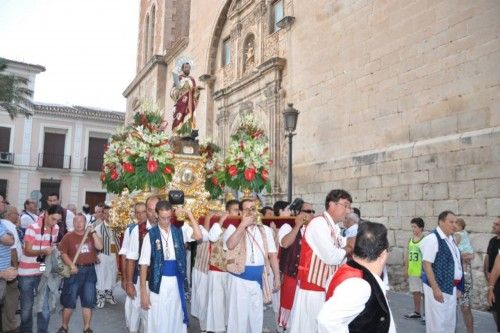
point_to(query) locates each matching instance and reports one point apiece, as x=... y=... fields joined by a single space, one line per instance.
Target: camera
x=176 y=197
x=41 y=258
x=296 y=206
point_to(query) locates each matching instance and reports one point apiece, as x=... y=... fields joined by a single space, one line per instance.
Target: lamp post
x=290 y=116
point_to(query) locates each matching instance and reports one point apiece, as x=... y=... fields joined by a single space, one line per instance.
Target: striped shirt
x=28 y=266
x=4 y=250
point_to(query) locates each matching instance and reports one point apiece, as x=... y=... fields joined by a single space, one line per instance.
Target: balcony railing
x=56 y=161
x=93 y=163
x=6 y=158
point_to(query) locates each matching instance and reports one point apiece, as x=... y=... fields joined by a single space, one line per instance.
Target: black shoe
x=413 y=315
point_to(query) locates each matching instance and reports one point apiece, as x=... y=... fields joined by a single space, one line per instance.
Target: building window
x=94 y=198
x=53 y=151
x=48 y=187
x=146 y=39
x=277 y=13
x=152 y=32
x=95 y=156
x=226 y=52
x=6 y=155
x=3 y=188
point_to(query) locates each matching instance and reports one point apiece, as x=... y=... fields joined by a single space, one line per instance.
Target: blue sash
x=169 y=268
x=252 y=273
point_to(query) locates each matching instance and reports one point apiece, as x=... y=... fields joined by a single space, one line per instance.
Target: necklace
x=167 y=250
x=251 y=237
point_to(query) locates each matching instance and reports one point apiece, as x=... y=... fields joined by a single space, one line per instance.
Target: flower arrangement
x=139 y=156
x=246 y=166
x=214 y=181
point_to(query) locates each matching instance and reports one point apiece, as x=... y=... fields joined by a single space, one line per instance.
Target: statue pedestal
x=185 y=146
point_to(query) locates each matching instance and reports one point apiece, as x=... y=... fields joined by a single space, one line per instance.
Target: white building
x=57 y=150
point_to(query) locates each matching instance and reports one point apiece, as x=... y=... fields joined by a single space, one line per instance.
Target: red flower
x=233 y=170
x=215 y=181
x=152 y=166
x=128 y=167
x=167 y=170
x=265 y=175
x=114 y=175
x=249 y=174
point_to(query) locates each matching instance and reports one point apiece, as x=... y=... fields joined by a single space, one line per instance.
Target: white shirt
x=352 y=231
x=285 y=230
x=145 y=259
x=347 y=302
x=17 y=243
x=254 y=243
x=27 y=219
x=131 y=246
x=69 y=220
x=430 y=248
x=215 y=232
x=319 y=237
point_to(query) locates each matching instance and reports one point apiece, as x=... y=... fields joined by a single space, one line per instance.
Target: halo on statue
x=181 y=61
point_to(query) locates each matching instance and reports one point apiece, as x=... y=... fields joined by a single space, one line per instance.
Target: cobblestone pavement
x=110 y=319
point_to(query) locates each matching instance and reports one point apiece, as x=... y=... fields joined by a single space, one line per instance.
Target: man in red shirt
x=83 y=278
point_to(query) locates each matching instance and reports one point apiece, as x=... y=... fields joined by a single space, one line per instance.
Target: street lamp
x=290 y=115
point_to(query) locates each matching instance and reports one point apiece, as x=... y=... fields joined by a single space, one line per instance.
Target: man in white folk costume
x=250 y=252
x=130 y=250
x=107 y=268
x=217 y=292
x=199 y=281
x=163 y=254
x=323 y=249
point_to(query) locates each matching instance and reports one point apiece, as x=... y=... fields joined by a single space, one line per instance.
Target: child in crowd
x=413 y=266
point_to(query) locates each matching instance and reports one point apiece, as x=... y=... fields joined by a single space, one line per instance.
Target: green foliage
x=14 y=94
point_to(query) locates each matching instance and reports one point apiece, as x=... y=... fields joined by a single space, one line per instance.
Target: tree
x=15 y=97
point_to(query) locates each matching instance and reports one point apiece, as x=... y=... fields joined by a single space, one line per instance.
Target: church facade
x=399 y=100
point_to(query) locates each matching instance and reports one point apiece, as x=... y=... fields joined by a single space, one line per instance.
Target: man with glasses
x=250 y=247
x=290 y=239
x=323 y=249
x=29 y=213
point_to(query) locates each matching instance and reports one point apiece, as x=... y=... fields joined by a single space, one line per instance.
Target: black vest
x=289 y=257
x=376 y=316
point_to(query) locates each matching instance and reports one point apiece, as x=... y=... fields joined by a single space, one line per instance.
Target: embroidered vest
x=236 y=258
x=157 y=257
x=313 y=272
x=443 y=267
x=375 y=317
x=202 y=256
x=289 y=257
x=217 y=254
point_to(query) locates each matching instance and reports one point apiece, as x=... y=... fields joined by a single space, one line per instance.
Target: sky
x=88 y=47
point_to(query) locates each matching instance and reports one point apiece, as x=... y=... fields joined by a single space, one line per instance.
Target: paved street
x=111 y=320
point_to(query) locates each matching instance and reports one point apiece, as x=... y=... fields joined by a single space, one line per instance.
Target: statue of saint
x=249 y=61
x=185 y=93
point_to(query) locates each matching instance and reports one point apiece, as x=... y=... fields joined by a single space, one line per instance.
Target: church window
x=152 y=32
x=277 y=14
x=226 y=52
x=146 y=39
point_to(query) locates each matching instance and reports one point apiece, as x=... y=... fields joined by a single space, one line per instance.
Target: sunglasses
x=308 y=211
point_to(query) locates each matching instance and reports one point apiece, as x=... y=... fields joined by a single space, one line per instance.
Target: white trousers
x=306 y=307
x=440 y=317
x=216 y=301
x=246 y=309
x=106 y=272
x=199 y=293
x=165 y=314
x=275 y=298
x=134 y=314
